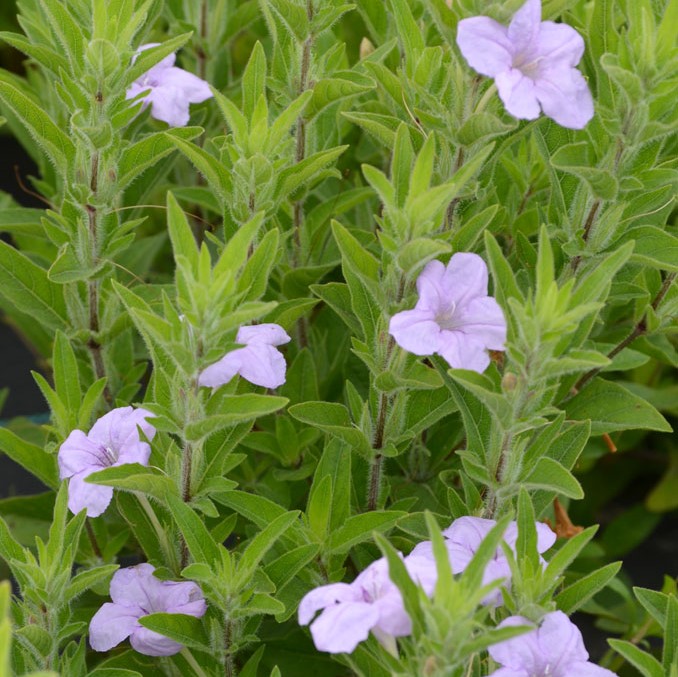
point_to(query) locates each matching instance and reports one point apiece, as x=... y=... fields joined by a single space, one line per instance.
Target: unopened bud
x=509 y=382
x=366 y=48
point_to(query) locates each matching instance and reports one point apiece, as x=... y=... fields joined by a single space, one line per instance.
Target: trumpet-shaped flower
x=532 y=63
x=136 y=592
x=170 y=90
x=454 y=317
x=554 y=649
x=260 y=362
x=371 y=603
x=463 y=538
x=113 y=440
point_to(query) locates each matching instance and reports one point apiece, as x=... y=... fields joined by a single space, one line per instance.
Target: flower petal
x=518 y=93
x=269 y=333
x=136 y=452
x=560 y=641
x=578 y=669
x=324 y=596
x=485 y=45
x=545 y=537
x=465 y=278
x=129 y=586
x=559 y=45
x=564 y=96
x=340 y=628
x=78 y=453
x=393 y=619
x=430 y=287
x=81 y=494
x=263 y=365
x=111 y=625
x=223 y=371
x=151 y=643
x=525 y=25
x=168 y=104
x=415 y=331
x=192 y=88
x=463 y=351
x=183 y=597
x=519 y=653
x=484 y=319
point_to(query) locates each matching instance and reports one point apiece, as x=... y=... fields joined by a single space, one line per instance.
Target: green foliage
x=346 y=145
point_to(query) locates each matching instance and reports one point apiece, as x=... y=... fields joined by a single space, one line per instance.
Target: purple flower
x=532 y=63
x=554 y=649
x=136 y=592
x=113 y=440
x=259 y=361
x=171 y=90
x=463 y=538
x=372 y=602
x=454 y=317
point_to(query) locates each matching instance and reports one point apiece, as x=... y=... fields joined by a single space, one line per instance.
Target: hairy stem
x=93 y=539
x=374 y=482
x=590 y=219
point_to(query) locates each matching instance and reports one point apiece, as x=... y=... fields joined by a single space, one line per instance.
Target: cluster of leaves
x=325 y=173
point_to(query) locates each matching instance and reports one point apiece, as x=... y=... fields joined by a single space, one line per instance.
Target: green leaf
x=198 y=539
x=148 y=151
x=87 y=579
x=136 y=477
x=342 y=85
x=145 y=60
x=26 y=285
x=646 y=664
x=66 y=378
x=216 y=174
x=577 y=594
x=302 y=173
x=258 y=547
x=67 y=30
x=254 y=80
x=181 y=235
x=30 y=456
x=333 y=418
x=551 y=475
x=359 y=528
x=576 y=159
x=654 y=247
x=611 y=407
x=182 y=628
x=53 y=141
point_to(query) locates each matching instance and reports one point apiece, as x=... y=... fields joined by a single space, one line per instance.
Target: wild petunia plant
x=353 y=337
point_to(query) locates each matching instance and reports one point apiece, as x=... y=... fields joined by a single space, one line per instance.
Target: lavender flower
x=554 y=649
x=371 y=603
x=113 y=440
x=463 y=538
x=259 y=361
x=532 y=63
x=136 y=592
x=454 y=317
x=171 y=90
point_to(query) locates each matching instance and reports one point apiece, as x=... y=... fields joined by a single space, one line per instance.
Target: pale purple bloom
x=172 y=89
x=260 y=362
x=371 y=603
x=554 y=649
x=454 y=317
x=136 y=592
x=463 y=538
x=532 y=63
x=113 y=440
